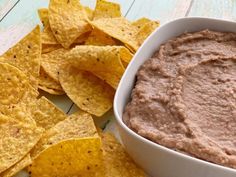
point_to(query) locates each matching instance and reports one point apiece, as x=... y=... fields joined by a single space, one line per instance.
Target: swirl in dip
x=185 y=97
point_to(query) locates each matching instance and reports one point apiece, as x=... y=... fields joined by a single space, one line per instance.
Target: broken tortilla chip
x=72 y=157
x=45 y=113
x=117 y=162
x=25 y=55
x=68 y=21
x=88 y=92
x=106 y=9
x=26 y=161
x=118 y=28
x=141 y=22
x=77 y=125
x=18 y=137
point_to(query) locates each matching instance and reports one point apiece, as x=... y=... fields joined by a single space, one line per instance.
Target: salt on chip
x=46 y=114
x=102 y=61
x=117 y=162
x=18 y=137
x=118 y=28
x=26 y=161
x=106 y=9
x=51 y=62
x=145 y=31
x=48 y=84
x=88 y=92
x=67 y=20
x=72 y=157
x=25 y=55
x=100 y=38
x=77 y=125
x=46 y=48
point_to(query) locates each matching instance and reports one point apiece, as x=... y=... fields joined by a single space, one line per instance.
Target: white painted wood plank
x=225 y=9
x=6 y=6
x=156 y=9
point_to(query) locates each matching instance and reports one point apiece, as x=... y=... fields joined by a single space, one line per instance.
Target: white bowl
x=157 y=160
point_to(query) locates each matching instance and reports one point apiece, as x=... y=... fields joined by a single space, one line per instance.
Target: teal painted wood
x=156 y=9
x=225 y=9
x=6 y=6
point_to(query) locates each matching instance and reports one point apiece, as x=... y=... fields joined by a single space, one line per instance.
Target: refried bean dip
x=185 y=97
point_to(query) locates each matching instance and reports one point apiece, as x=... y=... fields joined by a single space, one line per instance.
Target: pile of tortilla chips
x=82 y=53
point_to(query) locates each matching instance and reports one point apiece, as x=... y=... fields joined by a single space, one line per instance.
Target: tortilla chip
x=52 y=62
x=73 y=157
x=48 y=84
x=14 y=86
x=102 y=61
x=145 y=31
x=26 y=161
x=89 y=12
x=125 y=55
x=68 y=21
x=99 y=38
x=87 y=91
x=43 y=15
x=46 y=48
x=77 y=125
x=117 y=162
x=81 y=39
x=48 y=37
x=106 y=9
x=141 y=22
x=118 y=28
x=25 y=55
x=46 y=114
x=18 y=137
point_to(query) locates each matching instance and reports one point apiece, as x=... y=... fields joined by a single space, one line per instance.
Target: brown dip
x=185 y=97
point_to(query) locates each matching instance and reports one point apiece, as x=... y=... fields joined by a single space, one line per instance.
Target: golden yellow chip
x=73 y=157
x=145 y=31
x=25 y=55
x=87 y=91
x=100 y=38
x=45 y=113
x=14 y=86
x=51 y=62
x=26 y=161
x=68 y=21
x=48 y=37
x=106 y=9
x=46 y=48
x=48 y=84
x=89 y=12
x=81 y=39
x=43 y=15
x=118 y=28
x=116 y=161
x=77 y=125
x=18 y=137
x=141 y=22
x=102 y=61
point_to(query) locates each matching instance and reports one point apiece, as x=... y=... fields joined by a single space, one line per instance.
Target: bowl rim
x=120 y=122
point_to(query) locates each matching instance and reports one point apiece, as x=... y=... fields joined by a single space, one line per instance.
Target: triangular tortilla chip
x=68 y=21
x=25 y=55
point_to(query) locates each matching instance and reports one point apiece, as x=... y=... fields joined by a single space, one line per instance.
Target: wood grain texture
x=6 y=6
x=156 y=9
x=225 y=9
